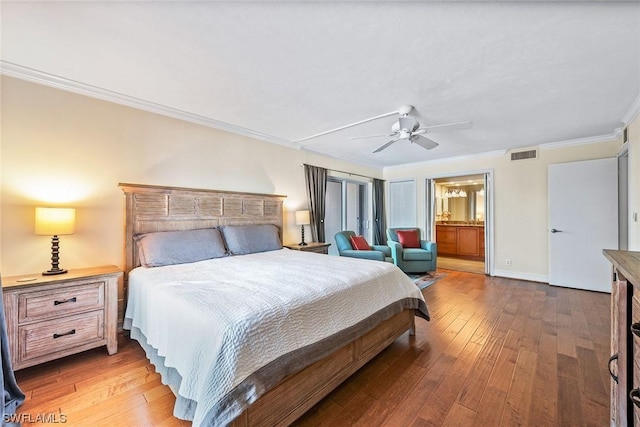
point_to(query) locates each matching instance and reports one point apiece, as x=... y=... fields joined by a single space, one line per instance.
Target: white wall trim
x=521 y=276
x=497 y=153
x=39 y=77
x=581 y=141
x=632 y=112
x=331 y=156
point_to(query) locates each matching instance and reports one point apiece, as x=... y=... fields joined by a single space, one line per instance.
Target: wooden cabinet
x=624 y=364
x=54 y=316
x=317 y=247
x=447 y=239
x=468 y=242
x=463 y=241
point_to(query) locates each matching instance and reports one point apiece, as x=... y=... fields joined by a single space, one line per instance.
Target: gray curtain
x=379 y=222
x=12 y=396
x=316 y=179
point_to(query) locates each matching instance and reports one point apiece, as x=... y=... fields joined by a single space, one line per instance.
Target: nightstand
x=49 y=317
x=318 y=247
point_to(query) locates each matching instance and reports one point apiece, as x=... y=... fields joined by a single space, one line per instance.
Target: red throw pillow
x=408 y=238
x=360 y=243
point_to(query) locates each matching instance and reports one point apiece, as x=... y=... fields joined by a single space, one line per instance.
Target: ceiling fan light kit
x=405 y=109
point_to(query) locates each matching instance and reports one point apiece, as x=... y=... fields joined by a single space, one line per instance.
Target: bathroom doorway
x=458 y=220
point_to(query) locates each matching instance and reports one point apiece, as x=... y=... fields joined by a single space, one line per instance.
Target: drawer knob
x=611 y=359
x=635 y=328
x=634 y=395
x=74 y=299
x=71 y=332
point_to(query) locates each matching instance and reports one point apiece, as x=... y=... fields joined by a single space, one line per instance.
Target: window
x=347 y=207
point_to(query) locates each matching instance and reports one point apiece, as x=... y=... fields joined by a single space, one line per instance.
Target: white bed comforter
x=217 y=321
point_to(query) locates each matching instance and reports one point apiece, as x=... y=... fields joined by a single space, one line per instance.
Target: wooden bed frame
x=158 y=208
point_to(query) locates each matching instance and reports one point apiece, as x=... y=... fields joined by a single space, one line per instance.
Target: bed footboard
x=298 y=393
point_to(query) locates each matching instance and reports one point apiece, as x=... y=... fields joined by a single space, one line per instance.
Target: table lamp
x=55 y=222
x=302 y=219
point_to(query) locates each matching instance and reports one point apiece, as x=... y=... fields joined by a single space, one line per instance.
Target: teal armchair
x=377 y=252
x=412 y=260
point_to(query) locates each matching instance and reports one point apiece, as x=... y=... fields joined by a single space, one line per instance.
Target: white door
x=583 y=220
x=402 y=203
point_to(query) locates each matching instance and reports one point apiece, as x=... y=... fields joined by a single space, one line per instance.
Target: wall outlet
x=508 y=262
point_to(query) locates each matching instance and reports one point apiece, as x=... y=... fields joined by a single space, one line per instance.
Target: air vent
x=522 y=155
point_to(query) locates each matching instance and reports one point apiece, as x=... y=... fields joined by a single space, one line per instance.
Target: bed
x=258 y=334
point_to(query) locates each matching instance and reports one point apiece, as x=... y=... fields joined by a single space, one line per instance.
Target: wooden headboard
x=150 y=208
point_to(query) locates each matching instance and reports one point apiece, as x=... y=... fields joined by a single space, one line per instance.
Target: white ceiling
x=525 y=73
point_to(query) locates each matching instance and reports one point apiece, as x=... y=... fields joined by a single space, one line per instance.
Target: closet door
x=402 y=203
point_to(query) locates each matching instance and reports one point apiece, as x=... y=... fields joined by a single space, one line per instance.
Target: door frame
x=430 y=216
x=623 y=198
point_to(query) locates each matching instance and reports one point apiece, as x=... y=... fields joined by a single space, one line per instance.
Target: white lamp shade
x=302 y=218
x=55 y=221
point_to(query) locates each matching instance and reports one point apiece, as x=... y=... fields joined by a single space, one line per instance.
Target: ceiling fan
x=409 y=128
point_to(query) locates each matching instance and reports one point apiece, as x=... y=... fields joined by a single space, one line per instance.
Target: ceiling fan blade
x=408 y=123
x=371 y=136
x=377 y=150
x=424 y=142
x=448 y=126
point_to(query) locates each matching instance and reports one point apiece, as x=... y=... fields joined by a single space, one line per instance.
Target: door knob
x=553 y=230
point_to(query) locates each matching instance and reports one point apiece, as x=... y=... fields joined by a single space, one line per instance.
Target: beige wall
x=64 y=149
x=520 y=202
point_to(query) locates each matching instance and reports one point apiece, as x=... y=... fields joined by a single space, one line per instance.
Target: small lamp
x=54 y=222
x=302 y=219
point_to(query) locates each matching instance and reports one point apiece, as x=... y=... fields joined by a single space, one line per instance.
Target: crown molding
x=353 y=162
x=499 y=153
x=581 y=141
x=35 y=76
x=632 y=113
x=496 y=153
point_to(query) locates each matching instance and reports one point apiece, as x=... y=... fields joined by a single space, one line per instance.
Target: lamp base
x=55 y=250
x=53 y=272
x=302 y=231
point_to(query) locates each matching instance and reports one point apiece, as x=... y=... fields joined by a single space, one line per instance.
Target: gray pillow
x=179 y=247
x=247 y=239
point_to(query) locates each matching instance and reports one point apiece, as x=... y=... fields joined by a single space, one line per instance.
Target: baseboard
x=521 y=276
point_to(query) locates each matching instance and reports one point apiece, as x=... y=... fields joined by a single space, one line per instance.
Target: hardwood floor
x=496 y=352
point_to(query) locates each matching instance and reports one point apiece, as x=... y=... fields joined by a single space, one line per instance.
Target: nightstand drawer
x=46 y=338
x=40 y=305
